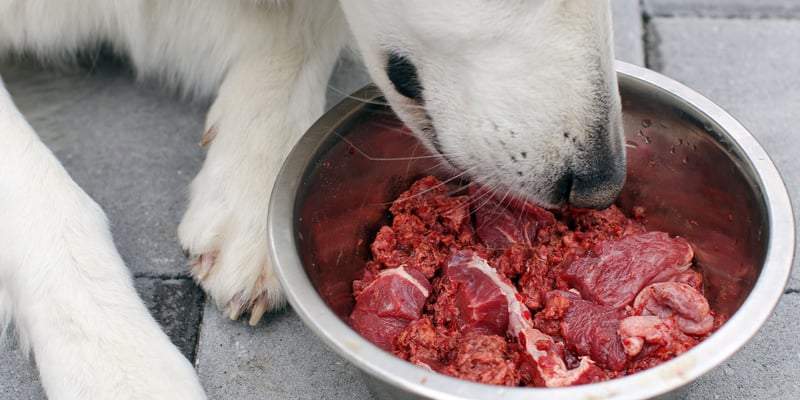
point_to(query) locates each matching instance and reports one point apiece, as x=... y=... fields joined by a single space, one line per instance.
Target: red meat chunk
x=502 y=223
x=539 y=349
x=388 y=304
x=614 y=271
x=591 y=329
x=482 y=307
x=551 y=370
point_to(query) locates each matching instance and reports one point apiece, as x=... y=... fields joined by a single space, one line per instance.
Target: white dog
x=517 y=94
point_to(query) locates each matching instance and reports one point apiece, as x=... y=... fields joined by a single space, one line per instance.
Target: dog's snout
x=403 y=75
x=598 y=187
x=599 y=168
x=596 y=191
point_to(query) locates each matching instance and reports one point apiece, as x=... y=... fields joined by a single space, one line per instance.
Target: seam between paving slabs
x=183 y=274
x=651 y=39
x=650 y=42
x=730 y=11
x=200 y=326
x=795 y=16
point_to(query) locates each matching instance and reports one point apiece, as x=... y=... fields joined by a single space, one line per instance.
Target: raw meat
x=482 y=307
x=491 y=294
x=613 y=272
x=486 y=359
x=503 y=223
x=428 y=223
x=389 y=304
x=503 y=292
x=426 y=344
x=678 y=302
x=662 y=335
x=591 y=329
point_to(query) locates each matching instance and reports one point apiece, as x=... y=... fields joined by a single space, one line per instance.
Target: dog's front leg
x=66 y=288
x=268 y=98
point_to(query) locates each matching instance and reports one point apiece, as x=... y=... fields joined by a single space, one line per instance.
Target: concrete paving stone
x=177 y=305
x=18 y=376
x=628 y=31
x=765 y=368
x=279 y=359
x=724 y=8
x=132 y=147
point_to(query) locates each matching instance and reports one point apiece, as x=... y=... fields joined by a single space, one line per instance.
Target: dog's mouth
x=564 y=185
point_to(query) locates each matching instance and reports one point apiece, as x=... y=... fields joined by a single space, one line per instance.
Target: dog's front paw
x=224 y=234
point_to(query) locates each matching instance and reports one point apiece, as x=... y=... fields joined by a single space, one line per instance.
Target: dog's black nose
x=600 y=187
x=596 y=192
x=403 y=75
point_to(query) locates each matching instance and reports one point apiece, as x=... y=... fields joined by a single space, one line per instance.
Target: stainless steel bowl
x=695 y=169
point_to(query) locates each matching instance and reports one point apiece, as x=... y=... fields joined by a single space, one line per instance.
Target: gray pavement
x=132 y=147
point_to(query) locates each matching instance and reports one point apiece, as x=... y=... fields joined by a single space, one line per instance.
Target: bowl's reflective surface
x=697 y=172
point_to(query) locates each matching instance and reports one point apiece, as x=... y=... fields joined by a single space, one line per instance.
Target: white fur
x=502 y=82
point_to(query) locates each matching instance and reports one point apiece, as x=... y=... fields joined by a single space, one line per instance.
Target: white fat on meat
x=538 y=345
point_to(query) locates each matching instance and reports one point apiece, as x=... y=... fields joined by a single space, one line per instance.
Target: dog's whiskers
x=365 y=100
x=380 y=101
x=481 y=199
x=500 y=208
x=375 y=158
x=488 y=195
x=445 y=182
x=349 y=95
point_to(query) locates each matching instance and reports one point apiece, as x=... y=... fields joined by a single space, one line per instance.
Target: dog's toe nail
x=259 y=308
x=201 y=265
x=210 y=134
x=235 y=310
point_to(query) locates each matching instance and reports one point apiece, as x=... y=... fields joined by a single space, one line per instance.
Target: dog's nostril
x=403 y=75
x=597 y=191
